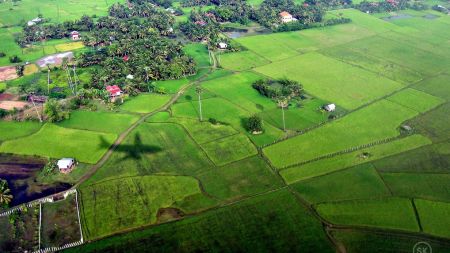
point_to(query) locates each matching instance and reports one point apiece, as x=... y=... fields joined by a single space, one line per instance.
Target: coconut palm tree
x=199 y=91
x=283 y=102
x=5 y=193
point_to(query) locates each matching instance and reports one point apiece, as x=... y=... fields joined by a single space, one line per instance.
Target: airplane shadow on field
x=132 y=151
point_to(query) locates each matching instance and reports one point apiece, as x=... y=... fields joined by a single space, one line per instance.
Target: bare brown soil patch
x=10 y=105
x=7 y=73
x=169 y=213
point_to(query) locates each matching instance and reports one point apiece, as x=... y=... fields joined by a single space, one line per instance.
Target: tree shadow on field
x=132 y=151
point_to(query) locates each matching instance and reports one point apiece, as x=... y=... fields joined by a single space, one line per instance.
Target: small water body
x=235 y=33
x=396 y=17
x=430 y=16
x=21 y=177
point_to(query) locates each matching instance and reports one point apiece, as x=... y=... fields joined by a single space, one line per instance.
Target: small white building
x=130 y=76
x=223 y=45
x=34 y=21
x=74 y=35
x=286 y=17
x=66 y=165
x=330 y=108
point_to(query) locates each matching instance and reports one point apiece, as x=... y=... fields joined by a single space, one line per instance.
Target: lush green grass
x=335 y=163
x=172 y=86
x=162 y=148
x=333 y=137
x=332 y=80
x=2 y=87
x=416 y=100
x=357 y=241
x=12 y=130
x=262 y=224
x=225 y=111
x=434 y=124
x=241 y=60
x=430 y=159
x=199 y=52
x=381 y=66
x=436 y=86
x=145 y=103
x=434 y=217
x=61 y=11
x=246 y=177
x=395 y=213
x=163 y=116
x=421 y=185
x=229 y=149
x=401 y=53
x=361 y=182
x=309 y=114
x=99 y=121
x=204 y=131
x=217 y=73
x=10 y=47
x=238 y=90
x=125 y=203
x=268 y=47
x=57 y=142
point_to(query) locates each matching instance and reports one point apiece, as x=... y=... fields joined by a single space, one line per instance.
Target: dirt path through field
x=123 y=135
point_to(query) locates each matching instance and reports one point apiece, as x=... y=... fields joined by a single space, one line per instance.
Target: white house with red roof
x=75 y=35
x=286 y=17
x=114 y=91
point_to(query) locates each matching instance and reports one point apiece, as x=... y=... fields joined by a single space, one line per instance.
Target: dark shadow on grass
x=134 y=151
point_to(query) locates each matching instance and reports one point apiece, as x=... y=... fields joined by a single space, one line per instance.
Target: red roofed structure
x=126 y=58
x=114 y=90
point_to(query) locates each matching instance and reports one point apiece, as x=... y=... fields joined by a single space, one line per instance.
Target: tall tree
x=199 y=91
x=5 y=193
x=283 y=102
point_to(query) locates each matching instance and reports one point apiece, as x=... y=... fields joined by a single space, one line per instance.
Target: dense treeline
x=390 y=5
x=201 y=26
x=295 y=26
x=134 y=47
x=43 y=31
x=278 y=88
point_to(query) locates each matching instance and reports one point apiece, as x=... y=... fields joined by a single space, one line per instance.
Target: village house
x=74 y=35
x=223 y=45
x=34 y=21
x=114 y=91
x=66 y=165
x=286 y=17
x=330 y=108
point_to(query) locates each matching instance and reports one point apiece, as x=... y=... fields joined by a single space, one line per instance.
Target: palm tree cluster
x=201 y=26
x=43 y=31
x=5 y=193
x=134 y=41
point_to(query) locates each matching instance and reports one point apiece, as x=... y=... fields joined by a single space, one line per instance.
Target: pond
x=21 y=173
x=396 y=17
x=234 y=33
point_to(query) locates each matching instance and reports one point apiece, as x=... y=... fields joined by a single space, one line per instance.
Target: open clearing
x=434 y=217
x=229 y=149
x=95 y=121
x=144 y=103
x=338 y=162
x=395 y=213
x=368 y=125
x=332 y=80
x=12 y=130
x=113 y=205
x=241 y=60
x=360 y=182
x=56 y=142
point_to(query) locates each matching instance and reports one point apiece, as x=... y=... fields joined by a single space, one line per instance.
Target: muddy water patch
x=21 y=173
x=396 y=17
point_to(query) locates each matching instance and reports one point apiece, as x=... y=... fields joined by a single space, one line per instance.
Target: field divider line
x=40 y=225
x=344 y=151
x=416 y=215
x=78 y=214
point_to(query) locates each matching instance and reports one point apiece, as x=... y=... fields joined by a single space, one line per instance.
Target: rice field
x=376 y=122
x=332 y=80
x=144 y=103
x=394 y=213
x=57 y=142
